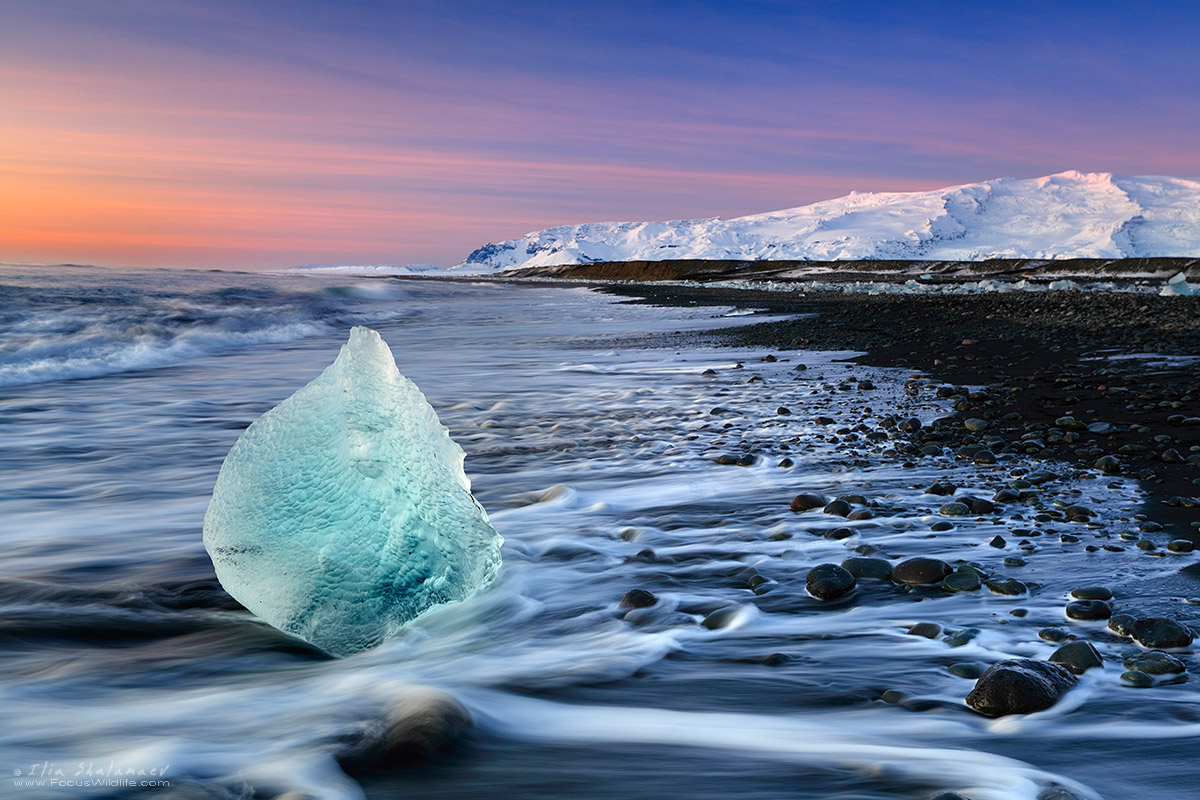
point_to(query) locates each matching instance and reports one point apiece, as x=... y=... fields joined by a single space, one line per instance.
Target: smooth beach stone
x=1181 y=546
x=1121 y=624
x=838 y=508
x=828 y=581
x=1089 y=610
x=862 y=567
x=954 y=510
x=1160 y=633
x=344 y=512
x=978 y=505
x=1092 y=593
x=1019 y=686
x=962 y=582
x=975 y=424
x=961 y=637
x=638 y=598
x=1006 y=495
x=1007 y=586
x=985 y=457
x=942 y=488
x=1136 y=679
x=1078 y=657
x=920 y=571
x=424 y=725
x=926 y=630
x=1053 y=635
x=721 y=618
x=807 y=500
x=1155 y=663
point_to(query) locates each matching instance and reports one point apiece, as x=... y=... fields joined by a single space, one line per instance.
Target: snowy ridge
x=1068 y=215
x=367 y=269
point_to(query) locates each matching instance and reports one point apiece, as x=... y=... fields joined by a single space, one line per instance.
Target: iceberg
x=344 y=512
x=1177 y=286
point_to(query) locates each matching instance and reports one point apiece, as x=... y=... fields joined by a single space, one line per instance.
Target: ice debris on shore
x=1178 y=286
x=344 y=512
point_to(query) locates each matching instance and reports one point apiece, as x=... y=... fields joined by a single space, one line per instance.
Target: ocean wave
x=51 y=331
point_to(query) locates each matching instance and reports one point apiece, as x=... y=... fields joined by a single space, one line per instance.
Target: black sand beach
x=1131 y=361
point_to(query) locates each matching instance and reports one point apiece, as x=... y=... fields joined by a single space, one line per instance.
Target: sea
x=594 y=430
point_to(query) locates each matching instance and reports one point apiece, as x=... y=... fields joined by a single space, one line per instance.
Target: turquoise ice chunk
x=344 y=512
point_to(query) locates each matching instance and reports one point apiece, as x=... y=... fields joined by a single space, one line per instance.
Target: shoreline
x=1042 y=357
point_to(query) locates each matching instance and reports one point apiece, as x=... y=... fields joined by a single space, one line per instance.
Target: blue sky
x=264 y=134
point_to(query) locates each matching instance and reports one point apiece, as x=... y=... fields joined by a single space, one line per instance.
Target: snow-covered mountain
x=1068 y=215
x=367 y=269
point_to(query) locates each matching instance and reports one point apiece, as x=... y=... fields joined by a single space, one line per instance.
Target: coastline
x=1042 y=356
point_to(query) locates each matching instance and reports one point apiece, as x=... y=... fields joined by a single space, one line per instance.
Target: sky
x=254 y=134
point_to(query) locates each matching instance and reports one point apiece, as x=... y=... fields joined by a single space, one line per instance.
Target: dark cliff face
x=708 y=270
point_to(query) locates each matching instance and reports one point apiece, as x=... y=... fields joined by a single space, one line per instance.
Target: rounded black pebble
x=720 y=618
x=1006 y=586
x=638 y=598
x=828 y=581
x=1092 y=593
x=1089 y=610
x=1155 y=663
x=1078 y=657
x=426 y=725
x=1160 y=633
x=807 y=500
x=921 y=571
x=1019 y=686
x=926 y=630
x=838 y=508
x=961 y=582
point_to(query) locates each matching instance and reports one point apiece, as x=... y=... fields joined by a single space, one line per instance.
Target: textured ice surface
x=344 y=512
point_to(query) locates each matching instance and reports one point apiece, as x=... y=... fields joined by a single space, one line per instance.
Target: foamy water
x=593 y=447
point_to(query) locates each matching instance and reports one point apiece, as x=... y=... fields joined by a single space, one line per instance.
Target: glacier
x=344 y=512
x=1068 y=215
